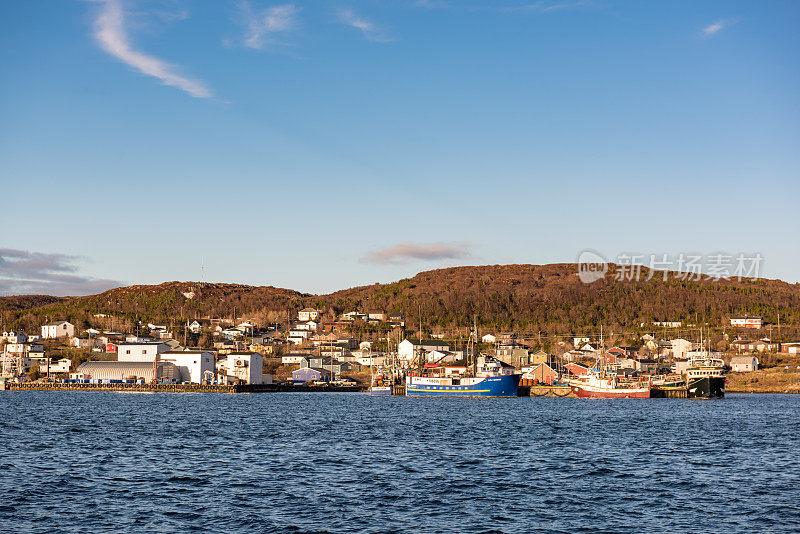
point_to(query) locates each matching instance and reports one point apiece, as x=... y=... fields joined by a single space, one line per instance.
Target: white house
x=489 y=338
x=288 y=359
x=744 y=364
x=299 y=333
x=745 y=321
x=308 y=326
x=680 y=347
x=141 y=352
x=308 y=314
x=61 y=366
x=365 y=345
x=191 y=364
x=580 y=340
x=58 y=329
x=408 y=349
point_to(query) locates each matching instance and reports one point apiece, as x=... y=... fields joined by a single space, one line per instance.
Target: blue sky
x=326 y=144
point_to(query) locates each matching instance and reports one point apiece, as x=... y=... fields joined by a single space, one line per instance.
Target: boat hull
x=495 y=386
x=706 y=387
x=608 y=393
x=380 y=391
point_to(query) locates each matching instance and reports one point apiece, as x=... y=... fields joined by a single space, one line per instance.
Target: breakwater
x=177 y=388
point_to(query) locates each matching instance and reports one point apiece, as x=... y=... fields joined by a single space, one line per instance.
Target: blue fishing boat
x=491 y=379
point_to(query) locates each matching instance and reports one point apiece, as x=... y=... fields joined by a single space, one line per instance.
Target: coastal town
x=314 y=347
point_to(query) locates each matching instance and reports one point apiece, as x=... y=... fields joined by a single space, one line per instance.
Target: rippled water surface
x=317 y=462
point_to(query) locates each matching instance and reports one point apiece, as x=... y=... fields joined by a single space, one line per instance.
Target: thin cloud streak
x=110 y=33
x=369 y=29
x=406 y=252
x=23 y=273
x=263 y=25
x=713 y=29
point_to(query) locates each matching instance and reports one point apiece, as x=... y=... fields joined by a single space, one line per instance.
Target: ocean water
x=318 y=462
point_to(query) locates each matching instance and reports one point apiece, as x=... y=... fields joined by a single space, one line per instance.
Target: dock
x=545 y=391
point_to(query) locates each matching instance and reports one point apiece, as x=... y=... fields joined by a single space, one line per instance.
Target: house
x=577 y=341
x=140 y=352
x=308 y=326
x=198 y=325
x=61 y=366
x=290 y=359
x=514 y=355
x=370 y=359
x=489 y=338
x=680 y=347
x=353 y=315
x=397 y=318
x=668 y=324
x=740 y=364
x=305 y=334
x=377 y=316
x=790 y=348
x=24 y=348
x=308 y=374
x=538 y=357
x=195 y=366
x=762 y=345
x=746 y=321
x=681 y=366
x=245 y=327
x=58 y=329
x=308 y=314
x=15 y=337
x=155 y=327
x=81 y=342
x=542 y=373
x=508 y=337
x=408 y=349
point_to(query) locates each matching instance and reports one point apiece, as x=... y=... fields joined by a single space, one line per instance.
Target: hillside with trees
x=530 y=299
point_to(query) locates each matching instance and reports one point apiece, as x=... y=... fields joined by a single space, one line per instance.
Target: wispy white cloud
x=405 y=252
x=432 y=4
x=23 y=272
x=263 y=25
x=111 y=34
x=717 y=27
x=549 y=7
x=369 y=29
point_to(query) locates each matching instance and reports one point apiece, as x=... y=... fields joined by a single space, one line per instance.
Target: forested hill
x=545 y=298
x=552 y=298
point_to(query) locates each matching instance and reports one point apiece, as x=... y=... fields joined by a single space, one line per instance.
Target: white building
x=408 y=349
x=287 y=359
x=680 y=348
x=247 y=367
x=61 y=366
x=58 y=329
x=745 y=321
x=489 y=338
x=308 y=314
x=141 y=352
x=744 y=363
x=191 y=365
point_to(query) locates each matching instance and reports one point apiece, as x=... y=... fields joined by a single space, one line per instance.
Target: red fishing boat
x=609 y=386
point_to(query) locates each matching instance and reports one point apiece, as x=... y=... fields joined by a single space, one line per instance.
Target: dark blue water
x=93 y=462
